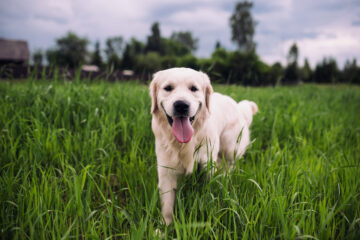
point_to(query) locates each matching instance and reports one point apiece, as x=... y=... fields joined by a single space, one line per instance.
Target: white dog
x=193 y=125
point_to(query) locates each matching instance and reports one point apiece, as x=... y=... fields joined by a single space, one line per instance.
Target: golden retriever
x=192 y=125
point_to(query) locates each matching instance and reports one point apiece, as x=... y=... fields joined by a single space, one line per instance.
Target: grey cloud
x=356 y=23
x=56 y=19
x=280 y=21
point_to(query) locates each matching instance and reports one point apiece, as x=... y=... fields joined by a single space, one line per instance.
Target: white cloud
x=320 y=29
x=208 y=24
x=58 y=11
x=342 y=44
x=201 y=19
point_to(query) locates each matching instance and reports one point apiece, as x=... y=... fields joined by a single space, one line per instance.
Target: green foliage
x=217 y=45
x=155 y=42
x=148 y=63
x=351 y=73
x=174 y=48
x=205 y=65
x=132 y=50
x=189 y=61
x=114 y=62
x=292 y=72
x=186 y=39
x=70 y=51
x=113 y=51
x=169 y=61
x=238 y=68
x=293 y=54
x=114 y=46
x=243 y=26
x=242 y=66
x=96 y=58
x=78 y=162
x=327 y=71
x=306 y=72
x=276 y=74
x=52 y=56
x=38 y=57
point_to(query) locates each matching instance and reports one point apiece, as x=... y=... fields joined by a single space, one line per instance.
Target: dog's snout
x=181 y=108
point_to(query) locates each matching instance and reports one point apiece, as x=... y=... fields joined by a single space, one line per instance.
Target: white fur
x=221 y=128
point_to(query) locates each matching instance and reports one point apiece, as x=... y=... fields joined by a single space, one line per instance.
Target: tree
x=70 y=51
x=276 y=72
x=51 y=56
x=38 y=57
x=306 y=72
x=96 y=56
x=154 y=41
x=113 y=51
x=114 y=46
x=243 y=26
x=327 y=71
x=246 y=69
x=174 y=48
x=292 y=72
x=293 y=54
x=148 y=63
x=186 y=39
x=351 y=73
x=217 y=45
x=131 y=51
x=188 y=61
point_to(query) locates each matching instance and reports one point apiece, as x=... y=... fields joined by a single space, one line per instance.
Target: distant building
x=14 y=52
x=128 y=73
x=90 y=68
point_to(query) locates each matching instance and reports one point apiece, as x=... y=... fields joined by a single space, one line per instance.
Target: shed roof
x=14 y=50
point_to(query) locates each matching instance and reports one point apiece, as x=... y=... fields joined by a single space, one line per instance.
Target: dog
x=193 y=125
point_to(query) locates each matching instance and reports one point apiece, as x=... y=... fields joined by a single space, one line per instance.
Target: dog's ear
x=153 y=92
x=208 y=90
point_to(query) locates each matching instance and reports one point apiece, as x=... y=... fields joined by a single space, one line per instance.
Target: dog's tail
x=248 y=109
x=254 y=107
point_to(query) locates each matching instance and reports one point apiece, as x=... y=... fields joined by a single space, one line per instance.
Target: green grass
x=78 y=162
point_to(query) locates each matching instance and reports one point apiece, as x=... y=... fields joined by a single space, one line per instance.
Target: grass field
x=78 y=162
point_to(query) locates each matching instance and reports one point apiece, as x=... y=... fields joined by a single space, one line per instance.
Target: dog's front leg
x=167 y=185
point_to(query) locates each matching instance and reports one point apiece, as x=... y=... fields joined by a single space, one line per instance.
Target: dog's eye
x=193 y=88
x=168 y=88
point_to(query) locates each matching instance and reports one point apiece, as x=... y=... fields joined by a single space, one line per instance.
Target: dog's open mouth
x=181 y=127
x=170 y=120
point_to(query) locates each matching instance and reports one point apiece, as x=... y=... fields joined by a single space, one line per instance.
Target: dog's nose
x=181 y=108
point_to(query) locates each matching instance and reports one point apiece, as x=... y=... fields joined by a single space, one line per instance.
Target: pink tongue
x=182 y=129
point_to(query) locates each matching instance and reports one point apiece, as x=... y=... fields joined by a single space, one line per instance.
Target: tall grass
x=78 y=161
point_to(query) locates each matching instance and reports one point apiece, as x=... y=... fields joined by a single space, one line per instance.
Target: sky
x=321 y=28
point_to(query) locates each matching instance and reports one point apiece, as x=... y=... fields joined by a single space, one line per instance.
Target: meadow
x=77 y=161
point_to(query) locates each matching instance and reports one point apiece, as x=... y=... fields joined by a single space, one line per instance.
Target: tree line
x=241 y=66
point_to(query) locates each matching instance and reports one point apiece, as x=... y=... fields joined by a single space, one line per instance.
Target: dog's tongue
x=182 y=129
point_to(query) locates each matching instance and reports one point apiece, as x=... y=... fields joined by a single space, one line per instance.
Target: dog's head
x=180 y=95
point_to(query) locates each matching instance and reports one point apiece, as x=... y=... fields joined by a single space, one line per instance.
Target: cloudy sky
x=321 y=28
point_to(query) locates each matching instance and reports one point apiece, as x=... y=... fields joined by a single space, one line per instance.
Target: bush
x=275 y=74
x=327 y=71
x=148 y=63
x=188 y=61
x=246 y=69
x=168 y=62
x=351 y=73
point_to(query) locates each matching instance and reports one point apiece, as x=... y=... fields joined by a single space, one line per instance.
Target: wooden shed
x=14 y=52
